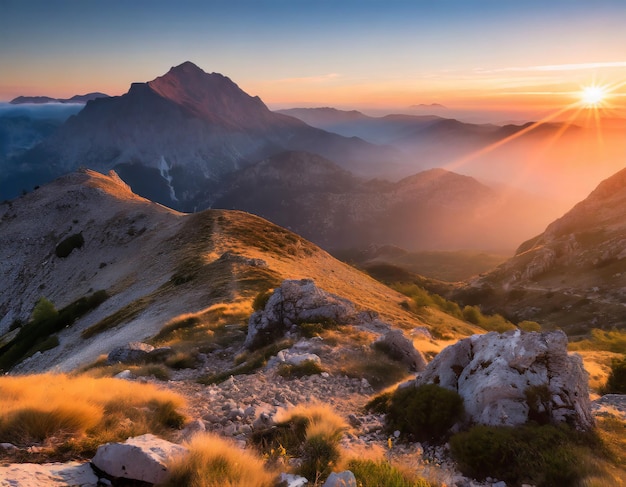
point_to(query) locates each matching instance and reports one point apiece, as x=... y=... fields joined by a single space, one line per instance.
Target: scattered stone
x=125 y=374
x=48 y=475
x=341 y=479
x=132 y=353
x=290 y=480
x=192 y=429
x=141 y=458
x=8 y=446
x=513 y=377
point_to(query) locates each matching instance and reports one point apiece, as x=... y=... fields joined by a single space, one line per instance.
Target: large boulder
x=513 y=377
x=401 y=348
x=134 y=352
x=295 y=302
x=142 y=458
x=48 y=475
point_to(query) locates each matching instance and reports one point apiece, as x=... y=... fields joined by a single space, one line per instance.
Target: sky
x=502 y=56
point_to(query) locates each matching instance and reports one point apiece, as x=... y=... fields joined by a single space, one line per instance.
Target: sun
x=593 y=96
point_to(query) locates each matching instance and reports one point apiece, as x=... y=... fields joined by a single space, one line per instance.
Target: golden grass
x=215 y=462
x=74 y=414
x=321 y=420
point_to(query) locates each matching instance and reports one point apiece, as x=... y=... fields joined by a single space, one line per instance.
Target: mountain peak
x=210 y=96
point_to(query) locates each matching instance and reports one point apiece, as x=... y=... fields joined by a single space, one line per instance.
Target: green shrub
x=616 y=382
x=529 y=326
x=424 y=413
x=65 y=247
x=608 y=341
x=319 y=456
x=311 y=433
x=46 y=320
x=44 y=310
x=544 y=455
x=369 y=473
x=261 y=299
x=307 y=367
x=379 y=403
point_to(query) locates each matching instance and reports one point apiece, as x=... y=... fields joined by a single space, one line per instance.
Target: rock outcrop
x=513 y=377
x=141 y=458
x=292 y=303
x=401 y=348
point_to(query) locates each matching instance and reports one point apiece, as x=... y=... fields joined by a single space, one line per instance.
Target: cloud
x=557 y=67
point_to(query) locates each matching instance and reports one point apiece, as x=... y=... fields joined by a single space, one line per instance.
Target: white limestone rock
x=48 y=475
x=141 y=458
x=494 y=373
x=341 y=479
x=292 y=303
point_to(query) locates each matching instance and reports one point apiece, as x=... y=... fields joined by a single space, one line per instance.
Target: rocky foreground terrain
x=247 y=321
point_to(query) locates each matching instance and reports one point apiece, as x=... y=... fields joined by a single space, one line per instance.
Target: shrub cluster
x=311 y=433
x=424 y=413
x=544 y=455
x=46 y=320
x=616 y=382
x=370 y=473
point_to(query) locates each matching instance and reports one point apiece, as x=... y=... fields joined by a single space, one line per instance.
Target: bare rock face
x=48 y=475
x=292 y=303
x=132 y=353
x=507 y=379
x=141 y=458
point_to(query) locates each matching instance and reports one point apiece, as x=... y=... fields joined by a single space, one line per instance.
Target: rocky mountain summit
x=573 y=273
x=175 y=137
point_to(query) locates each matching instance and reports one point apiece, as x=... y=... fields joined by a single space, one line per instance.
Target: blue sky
x=351 y=53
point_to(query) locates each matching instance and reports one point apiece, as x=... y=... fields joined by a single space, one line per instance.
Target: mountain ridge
x=571 y=275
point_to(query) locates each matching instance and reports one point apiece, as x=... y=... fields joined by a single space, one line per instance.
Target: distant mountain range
x=573 y=275
x=174 y=139
x=435 y=209
x=20 y=100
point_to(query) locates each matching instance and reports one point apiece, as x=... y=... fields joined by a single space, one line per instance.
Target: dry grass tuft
x=320 y=419
x=213 y=462
x=73 y=415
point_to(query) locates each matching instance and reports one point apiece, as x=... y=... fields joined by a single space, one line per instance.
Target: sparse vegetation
x=247 y=363
x=608 y=341
x=373 y=365
x=474 y=315
x=616 y=382
x=307 y=367
x=71 y=415
x=545 y=455
x=261 y=299
x=214 y=462
x=37 y=334
x=370 y=473
x=311 y=433
x=424 y=413
x=125 y=314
